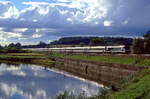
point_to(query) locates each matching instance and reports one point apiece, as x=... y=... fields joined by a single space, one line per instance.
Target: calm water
x=34 y=82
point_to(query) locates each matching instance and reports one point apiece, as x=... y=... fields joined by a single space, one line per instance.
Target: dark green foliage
x=97 y=42
x=18 y=45
x=147 y=42
x=147 y=46
x=11 y=45
x=1 y=47
x=138 y=46
x=147 y=35
x=86 y=40
x=103 y=94
x=66 y=95
x=72 y=40
x=142 y=46
x=81 y=44
x=42 y=44
x=12 y=48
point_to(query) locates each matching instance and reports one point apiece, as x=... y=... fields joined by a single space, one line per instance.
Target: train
x=86 y=49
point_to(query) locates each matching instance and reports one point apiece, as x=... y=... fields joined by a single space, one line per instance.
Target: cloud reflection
x=34 y=82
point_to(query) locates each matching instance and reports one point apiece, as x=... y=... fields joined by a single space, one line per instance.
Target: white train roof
x=87 y=47
x=93 y=47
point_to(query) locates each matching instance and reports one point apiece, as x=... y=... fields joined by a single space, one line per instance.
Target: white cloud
x=125 y=22
x=74 y=17
x=6 y=35
x=2 y=42
x=20 y=30
x=35 y=3
x=34 y=20
x=96 y=22
x=108 y=23
x=78 y=11
x=1 y=28
x=63 y=0
x=37 y=35
x=8 y=10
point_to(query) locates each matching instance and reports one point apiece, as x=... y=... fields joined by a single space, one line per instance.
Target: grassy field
x=110 y=59
x=33 y=58
x=137 y=88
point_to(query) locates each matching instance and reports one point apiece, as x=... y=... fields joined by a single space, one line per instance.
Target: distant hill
x=72 y=40
x=86 y=40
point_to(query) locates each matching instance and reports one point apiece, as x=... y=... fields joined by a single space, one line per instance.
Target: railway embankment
x=113 y=74
x=142 y=56
x=137 y=60
x=129 y=77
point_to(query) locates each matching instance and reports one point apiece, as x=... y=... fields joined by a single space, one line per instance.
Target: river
x=24 y=81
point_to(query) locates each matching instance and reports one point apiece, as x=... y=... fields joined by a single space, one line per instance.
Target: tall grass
x=110 y=59
x=103 y=94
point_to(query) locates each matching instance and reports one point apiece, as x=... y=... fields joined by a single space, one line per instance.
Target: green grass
x=33 y=58
x=110 y=59
x=25 y=54
x=10 y=56
x=145 y=62
x=138 y=88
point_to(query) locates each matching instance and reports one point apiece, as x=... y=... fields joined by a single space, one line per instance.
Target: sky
x=31 y=21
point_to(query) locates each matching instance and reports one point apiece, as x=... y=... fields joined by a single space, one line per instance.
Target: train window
x=109 y=49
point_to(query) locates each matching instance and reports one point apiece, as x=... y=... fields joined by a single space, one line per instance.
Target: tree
x=147 y=42
x=81 y=44
x=18 y=45
x=138 y=46
x=147 y=46
x=147 y=35
x=97 y=41
x=11 y=45
x=1 y=47
x=42 y=44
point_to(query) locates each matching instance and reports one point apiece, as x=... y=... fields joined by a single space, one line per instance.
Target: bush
x=138 y=46
x=12 y=50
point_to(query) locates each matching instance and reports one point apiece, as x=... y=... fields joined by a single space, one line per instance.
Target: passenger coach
x=87 y=49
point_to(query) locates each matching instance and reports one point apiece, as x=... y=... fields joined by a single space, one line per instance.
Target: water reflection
x=34 y=82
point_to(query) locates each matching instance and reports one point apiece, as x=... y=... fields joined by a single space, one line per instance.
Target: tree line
x=141 y=45
x=136 y=46
x=95 y=41
x=11 y=48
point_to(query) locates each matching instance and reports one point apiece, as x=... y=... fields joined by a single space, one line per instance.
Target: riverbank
x=32 y=58
x=137 y=87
